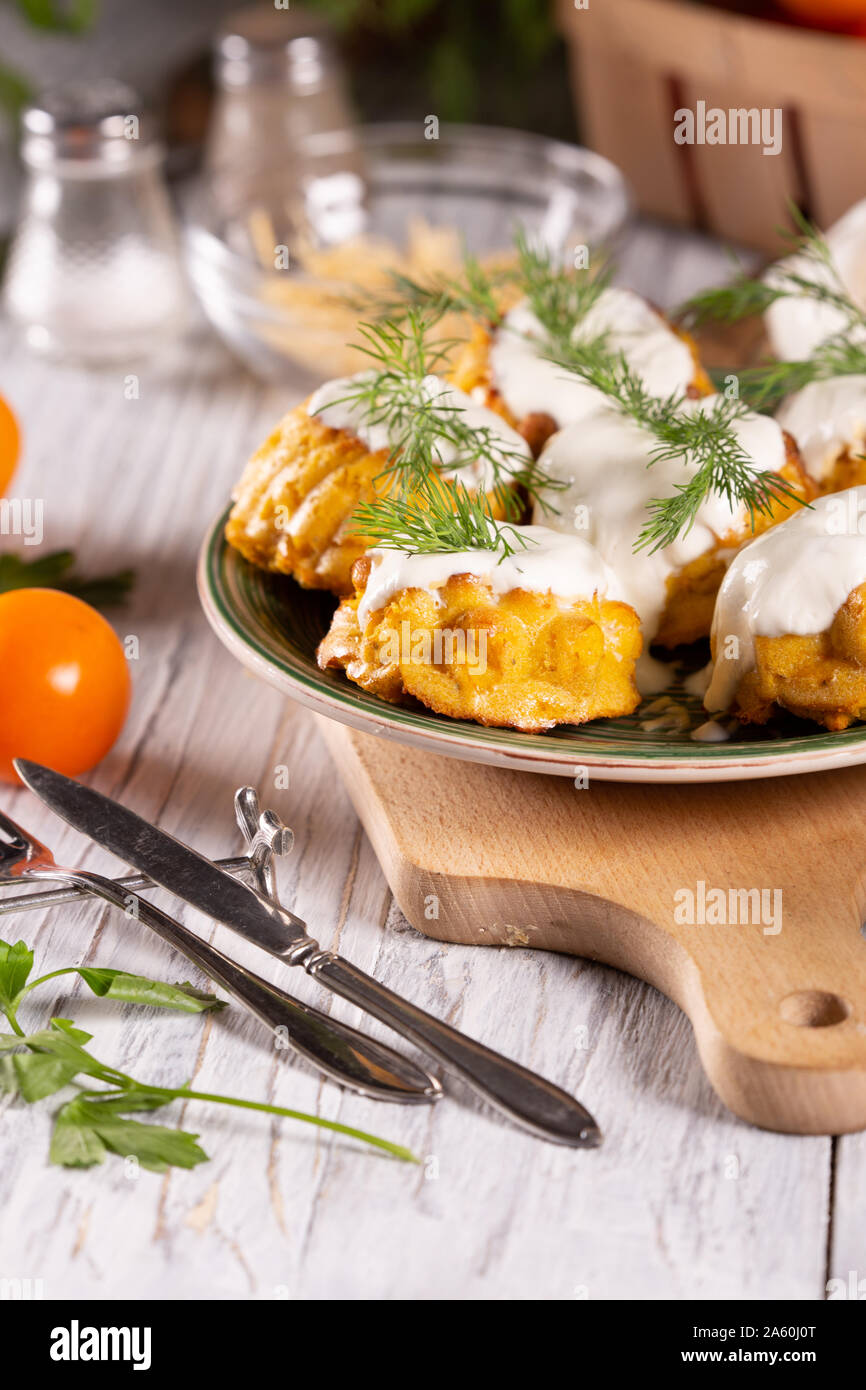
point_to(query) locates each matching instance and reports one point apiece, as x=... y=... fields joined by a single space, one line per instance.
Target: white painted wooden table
x=681 y=1201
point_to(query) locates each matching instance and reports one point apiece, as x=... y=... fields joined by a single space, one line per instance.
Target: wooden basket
x=635 y=62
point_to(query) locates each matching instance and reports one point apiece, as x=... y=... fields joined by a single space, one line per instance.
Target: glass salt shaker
x=94 y=271
x=283 y=134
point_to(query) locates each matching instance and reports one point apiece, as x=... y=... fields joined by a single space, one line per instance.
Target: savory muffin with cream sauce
x=789 y=630
x=606 y=463
x=507 y=369
x=828 y=420
x=294 y=505
x=525 y=641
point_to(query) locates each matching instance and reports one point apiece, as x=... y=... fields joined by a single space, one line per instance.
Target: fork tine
x=12 y=828
x=247 y=812
x=21 y=838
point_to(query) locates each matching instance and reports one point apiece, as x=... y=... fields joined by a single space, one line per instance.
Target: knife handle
x=536 y=1104
x=343 y=1053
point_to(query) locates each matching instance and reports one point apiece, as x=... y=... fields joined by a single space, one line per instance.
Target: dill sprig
x=434 y=521
x=559 y=298
x=811 y=273
x=704 y=437
x=424 y=426
x=765 y=385
x=475 y=292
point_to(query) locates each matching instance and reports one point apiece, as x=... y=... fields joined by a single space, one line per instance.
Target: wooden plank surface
x=484 y=856
x=683 y=1200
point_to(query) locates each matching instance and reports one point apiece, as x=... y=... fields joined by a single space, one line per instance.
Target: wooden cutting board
x=777 y=997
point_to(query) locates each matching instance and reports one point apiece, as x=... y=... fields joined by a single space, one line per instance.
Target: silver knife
x=341 y=1052
x=526 y=1098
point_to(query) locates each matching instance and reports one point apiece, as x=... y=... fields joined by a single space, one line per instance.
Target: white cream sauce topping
x=710 y=732
x=604 y=460
x=528 y=382
x=329 y=405
x=566 y=566
x=826 y=418
x=796 y=326
x=793 y=579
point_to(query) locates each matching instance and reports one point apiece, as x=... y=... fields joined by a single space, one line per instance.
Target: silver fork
x=343 y=1053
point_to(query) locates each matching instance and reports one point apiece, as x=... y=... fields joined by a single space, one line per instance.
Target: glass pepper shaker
x=283 y=134
x=94 y=271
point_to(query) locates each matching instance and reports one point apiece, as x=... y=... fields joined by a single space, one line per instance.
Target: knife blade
x=166 y=860
x=527 y=1098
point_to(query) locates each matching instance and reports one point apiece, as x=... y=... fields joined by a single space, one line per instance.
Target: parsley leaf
x=86 y=1128
x=96 y=1122
x=136 y=989
x=16 y=962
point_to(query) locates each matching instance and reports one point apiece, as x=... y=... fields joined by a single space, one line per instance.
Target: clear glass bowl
x=478 y=181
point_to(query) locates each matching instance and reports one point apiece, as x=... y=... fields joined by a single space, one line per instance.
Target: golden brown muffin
x=789 y=630
x=295 y=502
x=608 y=479
x=692 y=590
x=828 y=420
x=473 y=373
x=523 y=658
x=821 y=676
x=848 y=470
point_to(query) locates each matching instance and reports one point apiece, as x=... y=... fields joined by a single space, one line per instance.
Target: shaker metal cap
x=100 y=121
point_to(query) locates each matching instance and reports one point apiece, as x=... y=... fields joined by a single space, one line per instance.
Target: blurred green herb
x=54 y=572
x=53 y=16
x=471 y=53
x=59 y=16
x=97 y=1121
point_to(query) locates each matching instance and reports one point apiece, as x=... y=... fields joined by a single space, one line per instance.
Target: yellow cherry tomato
x=10 y=444
x=64 y=682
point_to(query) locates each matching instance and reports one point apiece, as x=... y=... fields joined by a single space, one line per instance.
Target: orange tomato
x=64 y=682
x=10 y=444
x=827 y=13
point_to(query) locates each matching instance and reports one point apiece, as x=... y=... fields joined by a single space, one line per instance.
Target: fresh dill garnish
x=807 y=251
x=559 y=298
x=436 y=520
x=809 y=274
x=430 y=437
x=683 y=430
x=474 y=292
x=765 y=385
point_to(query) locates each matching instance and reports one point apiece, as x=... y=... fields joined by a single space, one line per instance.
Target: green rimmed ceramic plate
x=273 y=627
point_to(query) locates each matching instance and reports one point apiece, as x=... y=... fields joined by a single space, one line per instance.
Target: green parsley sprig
x=99 y=1119
x=54 y=571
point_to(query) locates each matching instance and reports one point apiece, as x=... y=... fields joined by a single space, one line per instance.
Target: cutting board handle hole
x=814 y=1008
